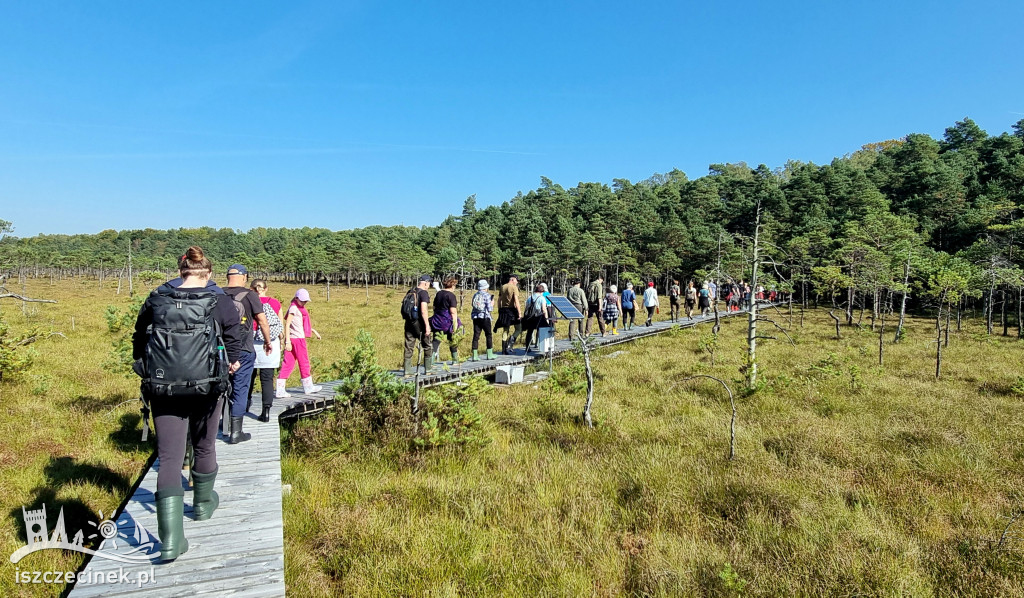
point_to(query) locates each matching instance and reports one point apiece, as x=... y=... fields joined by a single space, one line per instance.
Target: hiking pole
x=145 y=417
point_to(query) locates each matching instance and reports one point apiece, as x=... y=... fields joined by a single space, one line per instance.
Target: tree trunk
x=988 y=310
x=938 y=337
x=945 y=341
x=881 y=334
x=903 y=301
x=752 y=313
x=1002 y=310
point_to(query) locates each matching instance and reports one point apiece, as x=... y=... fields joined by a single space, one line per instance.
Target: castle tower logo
x=136 y=547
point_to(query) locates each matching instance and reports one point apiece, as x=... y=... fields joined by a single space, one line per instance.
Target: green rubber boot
x=409 y=370
x=428 y=363
x=170 y=510
x=455 y=357
x=204 y=500
x=476 y=355
x=490 y=355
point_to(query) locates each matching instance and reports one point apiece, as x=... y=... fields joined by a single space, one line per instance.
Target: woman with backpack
x=297 y=328
x=446 y=319
x=483 y=305
x=536 y=314
x=186 y=393
x=611 y=309
x=267 y=363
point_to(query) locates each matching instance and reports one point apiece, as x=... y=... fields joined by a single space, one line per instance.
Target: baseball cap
x=426 y=278
x=302 y=295
x=237 y=269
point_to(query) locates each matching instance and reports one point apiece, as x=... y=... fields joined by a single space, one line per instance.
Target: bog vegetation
x=870 y=448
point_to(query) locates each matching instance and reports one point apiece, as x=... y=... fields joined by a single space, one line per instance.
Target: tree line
x=932 y=221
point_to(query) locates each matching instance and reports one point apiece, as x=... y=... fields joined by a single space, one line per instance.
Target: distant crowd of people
x=429 y=323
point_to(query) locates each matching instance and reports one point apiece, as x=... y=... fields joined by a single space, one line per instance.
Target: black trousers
x=630 y=314
x=266 y=376
x=174 y=419
x=482 y=325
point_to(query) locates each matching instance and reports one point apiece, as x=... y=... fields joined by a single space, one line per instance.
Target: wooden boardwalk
x=240 y=551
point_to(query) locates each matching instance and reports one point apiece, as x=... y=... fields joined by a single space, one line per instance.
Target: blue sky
x=344 y=114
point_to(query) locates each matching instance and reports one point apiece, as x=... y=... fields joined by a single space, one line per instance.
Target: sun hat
x=302 y=295
x=482 y=285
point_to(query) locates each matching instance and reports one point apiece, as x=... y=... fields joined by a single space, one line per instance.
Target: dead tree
x=732 y=404
x=903 y=301
x=585 y=350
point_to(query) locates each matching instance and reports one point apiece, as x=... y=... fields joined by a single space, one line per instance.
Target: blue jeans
x=240 y=382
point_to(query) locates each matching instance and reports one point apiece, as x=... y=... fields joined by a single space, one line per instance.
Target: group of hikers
x=196 y=345
x=428 y=324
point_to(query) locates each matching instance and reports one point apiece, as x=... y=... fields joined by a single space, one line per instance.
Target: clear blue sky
x=344 y=114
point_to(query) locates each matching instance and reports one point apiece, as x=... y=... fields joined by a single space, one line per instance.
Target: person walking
x=674 y=299
x=298 y=327
x=535 y=315
x=595 y=304
x=250 y=310
x=510 y=314
x=483 y=304
x=628 y=307
x=415 y=306
x=691 y=299
x=187 y=398
x=704 y=299
x=712 y=295
x=651 y=302
x=267 y=363
x=611 y=309
x=446 y=319
x=578 y=299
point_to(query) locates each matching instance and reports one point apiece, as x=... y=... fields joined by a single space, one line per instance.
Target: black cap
x=426 y=278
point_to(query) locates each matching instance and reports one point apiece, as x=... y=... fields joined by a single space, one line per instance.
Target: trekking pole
x=145 y=417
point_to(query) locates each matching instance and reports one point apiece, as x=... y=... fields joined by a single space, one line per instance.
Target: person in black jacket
x=174 y=417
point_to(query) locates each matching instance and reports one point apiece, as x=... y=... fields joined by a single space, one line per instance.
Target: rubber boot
x=615 y=331
x=281 y=392
x=455 y=357
x=204 y=500
x=170 y=512
x=407 y=366
x=476 y=355
x=308 y=387
x=428 y=364
x=490 y=355
x=265 y=414
x=237 y=435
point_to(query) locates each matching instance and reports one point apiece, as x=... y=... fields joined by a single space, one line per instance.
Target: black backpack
x=184 y=356
x=411 y=306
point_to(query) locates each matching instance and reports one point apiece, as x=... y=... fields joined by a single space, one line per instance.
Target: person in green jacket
x=578 y=298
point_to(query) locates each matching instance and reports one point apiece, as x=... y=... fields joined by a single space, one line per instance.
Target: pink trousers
x=299 y=354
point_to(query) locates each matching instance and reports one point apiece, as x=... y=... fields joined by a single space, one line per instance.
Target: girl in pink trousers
x=297 y=328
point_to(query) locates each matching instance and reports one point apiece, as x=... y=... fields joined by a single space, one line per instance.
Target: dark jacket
x=226 y=315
